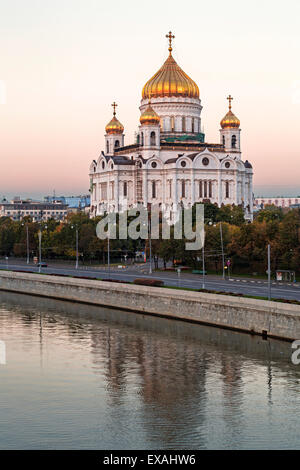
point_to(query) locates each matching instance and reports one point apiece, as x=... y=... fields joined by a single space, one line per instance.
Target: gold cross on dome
x=230 y=99
x=170 y=36
x=114 y=105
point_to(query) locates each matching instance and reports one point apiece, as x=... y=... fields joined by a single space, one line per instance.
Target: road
x=239 y=285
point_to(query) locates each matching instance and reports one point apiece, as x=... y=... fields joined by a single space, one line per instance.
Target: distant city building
x=284 y=202
x=73 y=202
x=17 y=209
x=170 y=164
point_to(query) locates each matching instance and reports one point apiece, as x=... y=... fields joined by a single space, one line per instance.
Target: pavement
x=238 y=285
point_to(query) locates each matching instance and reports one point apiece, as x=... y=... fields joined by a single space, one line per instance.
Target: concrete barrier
x=261 y=317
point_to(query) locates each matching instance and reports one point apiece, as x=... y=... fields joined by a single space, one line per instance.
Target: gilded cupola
x=170 y=80
x=149 y=116
x=114 y=126
x=230 y=121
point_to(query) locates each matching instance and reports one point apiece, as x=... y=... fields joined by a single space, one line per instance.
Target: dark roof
x=122 y=160
x=191 y=156
x=247 y=164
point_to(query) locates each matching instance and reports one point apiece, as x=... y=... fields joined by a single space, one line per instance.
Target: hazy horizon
x=259 y=191
x=64 y=62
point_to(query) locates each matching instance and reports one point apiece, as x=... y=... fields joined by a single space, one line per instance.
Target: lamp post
x=203 y=268
x=222 y=247
x=269 y=272
x=76 y=235
x=149 y=235
x=108 y=245
x=150 y=247
x=40 y=249
x=27 y=241
x=108 y=252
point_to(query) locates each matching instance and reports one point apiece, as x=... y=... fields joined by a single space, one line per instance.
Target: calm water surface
x=82 y=377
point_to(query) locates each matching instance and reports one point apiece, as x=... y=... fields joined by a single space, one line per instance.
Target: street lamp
x=27 y=241
x=150 y=242
x=149 y=234
x=77 y=254
x=222 y=246
x=40 y=247
x=108 y=245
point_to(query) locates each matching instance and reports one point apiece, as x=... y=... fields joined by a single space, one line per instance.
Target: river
x=87 y=377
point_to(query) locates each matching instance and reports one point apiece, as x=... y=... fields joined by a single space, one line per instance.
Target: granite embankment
x=261 y=317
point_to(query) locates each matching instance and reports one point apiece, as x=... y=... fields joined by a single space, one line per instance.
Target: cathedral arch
x=213 y=161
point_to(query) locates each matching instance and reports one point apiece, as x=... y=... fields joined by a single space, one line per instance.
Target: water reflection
x=123 y=380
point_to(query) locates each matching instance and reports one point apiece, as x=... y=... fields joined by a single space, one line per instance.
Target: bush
x=149 y=282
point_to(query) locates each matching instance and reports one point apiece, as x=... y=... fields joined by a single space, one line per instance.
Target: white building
x=17 y=209
x=262 y=202
x=170 y=163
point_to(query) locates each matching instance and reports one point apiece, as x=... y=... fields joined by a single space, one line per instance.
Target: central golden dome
x=170 y=80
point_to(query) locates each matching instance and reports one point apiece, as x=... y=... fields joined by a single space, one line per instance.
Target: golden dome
x=149 y=116
x=114 y=126
x=230 y=121
x=170 y=80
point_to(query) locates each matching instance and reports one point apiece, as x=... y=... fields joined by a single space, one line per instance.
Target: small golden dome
x=149 y=116
x=114 y=126
x=170 y=80
x=230 y=121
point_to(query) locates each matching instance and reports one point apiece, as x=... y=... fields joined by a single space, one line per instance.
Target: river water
x=84 y=377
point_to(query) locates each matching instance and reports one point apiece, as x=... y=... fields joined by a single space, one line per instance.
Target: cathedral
x=170 y=164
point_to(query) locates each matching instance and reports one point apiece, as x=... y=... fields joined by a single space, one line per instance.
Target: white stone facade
x=170 y=164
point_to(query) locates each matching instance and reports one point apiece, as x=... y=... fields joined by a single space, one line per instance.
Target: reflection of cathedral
x=170 y=163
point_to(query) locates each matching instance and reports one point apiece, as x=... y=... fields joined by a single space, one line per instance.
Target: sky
x=63 y=62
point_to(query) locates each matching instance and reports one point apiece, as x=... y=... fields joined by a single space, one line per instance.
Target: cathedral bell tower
x=114 y=137
x=149 y=130
x=230 y=130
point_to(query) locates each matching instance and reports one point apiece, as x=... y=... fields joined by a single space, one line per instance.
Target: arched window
x=161 y=125
x=233 y=141
x=224 y=140
x=193 y=125
x=183 y=188
x=125 y=189
x=117 y=144
x=183 y=124
x=210 y=189
x=205 y=189
x=107 y=146
x=152 y=139
x=138 y=139
x=142 y=138
x=153 y=189
x=227 y=190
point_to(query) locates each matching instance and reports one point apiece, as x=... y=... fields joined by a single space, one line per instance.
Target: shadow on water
x=79 y=314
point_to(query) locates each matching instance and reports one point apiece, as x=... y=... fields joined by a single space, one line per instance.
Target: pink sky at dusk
x=62 y=64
